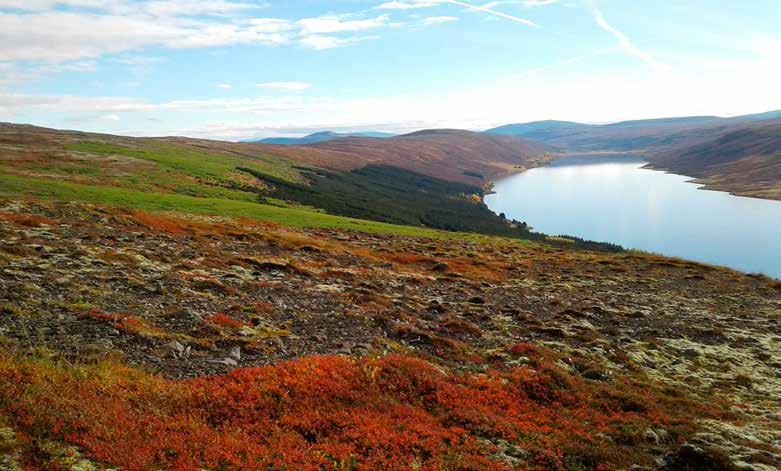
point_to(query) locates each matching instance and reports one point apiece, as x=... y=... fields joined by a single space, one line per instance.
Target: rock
x=225 y=361
x=267 y=265
x=175 y=346
x=235 y=353
x=652 y=437
x=691 y=457
x=440 y=267
x=185 y=313
x=690 y=353
x=331 y=289
x=594 y=374
x=476 y=300
x=247 y=331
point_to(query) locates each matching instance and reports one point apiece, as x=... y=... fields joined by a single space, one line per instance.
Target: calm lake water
x=615 y=200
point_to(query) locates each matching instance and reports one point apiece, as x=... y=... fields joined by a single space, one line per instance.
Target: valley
x=402 y=235
x=740 y=155
x=353 y=303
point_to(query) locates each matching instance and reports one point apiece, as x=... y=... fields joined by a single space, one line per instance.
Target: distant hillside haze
x=650 y=135
x=319 y=137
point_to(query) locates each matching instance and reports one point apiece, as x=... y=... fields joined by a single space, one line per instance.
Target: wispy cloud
x=409 y=4
x=491 y=11
x=224 y=86
x=437 y=20
x=626 y=44
x=330 y=24
x=486 y=8
x=524 y=3
x=293 y=86
x=42 y=30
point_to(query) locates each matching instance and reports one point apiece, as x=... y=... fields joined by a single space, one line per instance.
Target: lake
x=613 y=199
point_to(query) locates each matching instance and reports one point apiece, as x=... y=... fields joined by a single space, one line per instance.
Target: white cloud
x=322 y=42
x=524 y=3
x=14 y=73
x=340 y=24
x=409 y=4
x=43 y=33
x=139 y=61
x=437 y=20
x=538 y=3
x=743 y=86
x=285 y=85
x=42 y=5
x=61 y=36
x=224 y=86
x=197 y=7
x=151 y=7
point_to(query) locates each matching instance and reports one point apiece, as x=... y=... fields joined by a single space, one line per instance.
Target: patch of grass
x=394 y=195
x=12 y=185
x=191 y=161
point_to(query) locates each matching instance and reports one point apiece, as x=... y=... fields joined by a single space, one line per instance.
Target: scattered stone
x=690 y=353
x=235 y=353
x=225 y=361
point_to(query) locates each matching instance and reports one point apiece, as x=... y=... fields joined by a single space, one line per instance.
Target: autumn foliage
x=157 y=222
x=28 y=220
x=225 y=321
x=327 y=413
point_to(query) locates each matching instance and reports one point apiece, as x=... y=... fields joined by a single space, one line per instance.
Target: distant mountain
x=538 y=130
x=647 y=135
x=761 y=116
x=684 y=120
x=323 y=136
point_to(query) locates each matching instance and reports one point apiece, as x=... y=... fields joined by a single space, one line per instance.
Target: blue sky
x=234 y=69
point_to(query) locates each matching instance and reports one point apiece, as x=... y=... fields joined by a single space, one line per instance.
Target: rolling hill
x=648 y=135
x=318 y=137
x=160 y=308
x=449 y=154
x=744 y=161
x=378 y=181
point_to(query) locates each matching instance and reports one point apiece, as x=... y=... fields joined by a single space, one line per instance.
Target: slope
x=648 y=135
x=744 y=161
x=448 y=154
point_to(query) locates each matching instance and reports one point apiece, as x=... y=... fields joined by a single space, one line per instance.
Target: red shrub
x=326 y=412
x=28 y=220
x=126 y=322
x=157 y=222
x=223 y=320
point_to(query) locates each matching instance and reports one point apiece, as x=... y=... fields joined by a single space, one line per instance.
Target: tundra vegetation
x=155 y=315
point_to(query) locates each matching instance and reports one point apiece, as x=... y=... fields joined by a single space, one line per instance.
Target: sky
x=238 y=69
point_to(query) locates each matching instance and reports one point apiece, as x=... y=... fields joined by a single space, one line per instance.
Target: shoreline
x=707 y=184
x=711 y=184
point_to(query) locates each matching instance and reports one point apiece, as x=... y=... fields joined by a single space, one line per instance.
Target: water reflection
x=614 y=199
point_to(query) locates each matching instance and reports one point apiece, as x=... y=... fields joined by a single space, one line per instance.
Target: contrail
x=495 y=13
x=625 y=43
